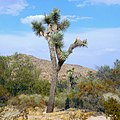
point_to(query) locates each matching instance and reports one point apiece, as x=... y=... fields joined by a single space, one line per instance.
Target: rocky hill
x=45 y=68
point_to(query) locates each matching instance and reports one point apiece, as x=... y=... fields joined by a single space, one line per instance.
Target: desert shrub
x=46 y=98
x=87 y=95
x=107 y=73
x=116 y=70
x=41 y=87
x=17 y=87
x=2 y=82
x=79 y=115
x=3 y=65
x=112 y=109
x=62 y=85
x=104 y=73
x=26 y=101
x=4 y=95
x=88 y=101
x=18 y=74
x=67 y=103
x=21 y=77
x=92 y=102
x=28 y=86
x=60 y=100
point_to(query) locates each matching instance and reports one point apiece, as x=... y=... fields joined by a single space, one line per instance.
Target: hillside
x=45 y=68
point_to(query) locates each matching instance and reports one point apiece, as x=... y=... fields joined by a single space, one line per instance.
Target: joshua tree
x=53 y=33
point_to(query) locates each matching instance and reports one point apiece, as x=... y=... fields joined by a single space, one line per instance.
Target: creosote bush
x=112 y=109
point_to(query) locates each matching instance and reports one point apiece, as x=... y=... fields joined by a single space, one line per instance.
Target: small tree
x=53 y=33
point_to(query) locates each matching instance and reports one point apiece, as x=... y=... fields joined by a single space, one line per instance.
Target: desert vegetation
x=22 y=89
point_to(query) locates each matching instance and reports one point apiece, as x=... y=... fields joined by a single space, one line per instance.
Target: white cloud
x=107 y=2
x=29 y=19
x=12 y=7
x=111 y=50
x=84 y=3
x=73 y=0
x=81 y=5
x=72 y=18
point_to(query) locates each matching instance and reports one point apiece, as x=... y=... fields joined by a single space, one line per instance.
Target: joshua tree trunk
x=54 y=77
x=51 y=101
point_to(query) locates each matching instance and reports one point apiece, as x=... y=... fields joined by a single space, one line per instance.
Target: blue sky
x=98 y=21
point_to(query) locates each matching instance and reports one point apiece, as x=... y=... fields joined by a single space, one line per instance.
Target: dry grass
x=38 y=114
x=62 y=115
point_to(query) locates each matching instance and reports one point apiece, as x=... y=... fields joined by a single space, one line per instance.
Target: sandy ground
x=56 y=118
x=71 y=114
x=98 y=118
x=62 y=116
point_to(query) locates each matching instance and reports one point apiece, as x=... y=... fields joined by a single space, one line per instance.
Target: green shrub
x=60 y=100
x=107 y=73
x=88 y=101
x=27 y=86
x=41 y=87
x=112 y=109
x=26 y=101
x=104 y=73
x=4 y=96
x=62 y=85
x=67 y=103
x=20 y=76
x=87 y=95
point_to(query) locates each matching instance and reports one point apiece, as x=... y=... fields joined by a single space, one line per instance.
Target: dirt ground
x=67 y=115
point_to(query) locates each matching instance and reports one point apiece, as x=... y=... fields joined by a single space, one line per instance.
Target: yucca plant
x=53 y=33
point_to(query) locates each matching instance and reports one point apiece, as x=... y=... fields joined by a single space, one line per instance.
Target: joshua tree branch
x=77 y=43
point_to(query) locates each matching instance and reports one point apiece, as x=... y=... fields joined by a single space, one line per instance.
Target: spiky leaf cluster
x=55 y=15
x=48 y=19
x=37 y=27
x=57 y=39
x=64 y=25
x=84 y=43
x=64 y=55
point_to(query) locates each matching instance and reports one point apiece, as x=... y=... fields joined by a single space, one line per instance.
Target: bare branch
x=77 y=43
